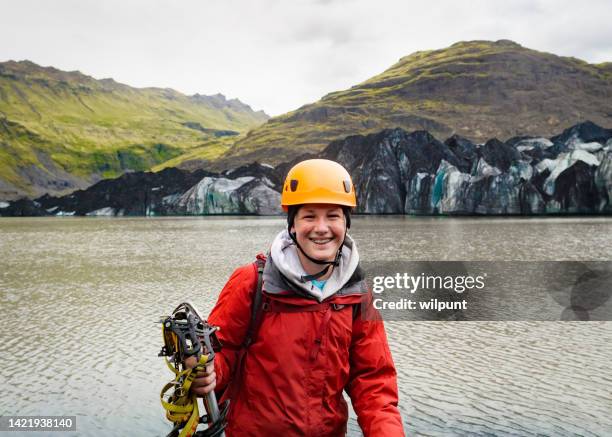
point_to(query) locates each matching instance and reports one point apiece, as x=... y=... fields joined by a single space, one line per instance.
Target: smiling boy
x=318 y=334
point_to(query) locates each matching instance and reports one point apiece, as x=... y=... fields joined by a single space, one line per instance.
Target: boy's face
x=319 y=230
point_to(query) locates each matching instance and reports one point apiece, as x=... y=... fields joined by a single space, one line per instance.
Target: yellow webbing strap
x=182 y=405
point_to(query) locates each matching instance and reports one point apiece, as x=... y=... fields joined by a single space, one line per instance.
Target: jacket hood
x=284 y=257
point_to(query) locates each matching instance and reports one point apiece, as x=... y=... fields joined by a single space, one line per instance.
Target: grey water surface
x=80 y=298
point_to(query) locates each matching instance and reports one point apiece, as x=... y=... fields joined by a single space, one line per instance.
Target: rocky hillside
x=394 y=171
x=64 y=130
x=477 y=89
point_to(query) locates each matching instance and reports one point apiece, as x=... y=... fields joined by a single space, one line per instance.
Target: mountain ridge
x=477 y=89
x=27 y=66
x=60 y=130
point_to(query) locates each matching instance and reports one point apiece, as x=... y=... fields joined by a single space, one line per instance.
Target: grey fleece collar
x=285 y=258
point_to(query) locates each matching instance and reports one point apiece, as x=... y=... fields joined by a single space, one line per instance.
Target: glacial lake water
x=80 y=298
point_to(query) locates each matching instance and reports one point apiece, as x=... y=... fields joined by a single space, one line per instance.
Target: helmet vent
x=294 y=184
x=347 y=186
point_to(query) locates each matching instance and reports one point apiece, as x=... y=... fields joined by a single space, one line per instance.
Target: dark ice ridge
x=395 y=172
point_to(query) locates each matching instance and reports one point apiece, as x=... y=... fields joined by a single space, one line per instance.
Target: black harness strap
x=257 y=298
x=254 y=322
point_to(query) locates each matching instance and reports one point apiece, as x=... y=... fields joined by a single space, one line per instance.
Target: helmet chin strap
x=328 y=264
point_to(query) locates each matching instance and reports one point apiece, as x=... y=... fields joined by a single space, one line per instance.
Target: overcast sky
x=277 y=55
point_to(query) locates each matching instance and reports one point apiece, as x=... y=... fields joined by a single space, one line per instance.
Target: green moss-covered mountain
x=65 y=130
x=477 y=89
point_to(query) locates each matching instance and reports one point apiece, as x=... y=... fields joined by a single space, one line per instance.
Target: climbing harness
x=187 y=335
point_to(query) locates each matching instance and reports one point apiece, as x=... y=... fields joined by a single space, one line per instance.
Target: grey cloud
x=337 y=35
x=519 y=8
x=329 y=2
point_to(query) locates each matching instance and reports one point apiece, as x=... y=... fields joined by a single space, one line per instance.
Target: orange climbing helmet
x=318 y=181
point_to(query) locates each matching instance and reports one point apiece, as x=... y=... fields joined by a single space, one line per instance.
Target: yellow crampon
x=182 y=405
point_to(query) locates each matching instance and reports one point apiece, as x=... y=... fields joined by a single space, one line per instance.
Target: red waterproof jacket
x=301 y=361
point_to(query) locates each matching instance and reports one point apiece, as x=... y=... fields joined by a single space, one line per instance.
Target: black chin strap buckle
x=334 y=263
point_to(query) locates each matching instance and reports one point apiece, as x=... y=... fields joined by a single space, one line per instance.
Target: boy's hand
x=205 y=381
